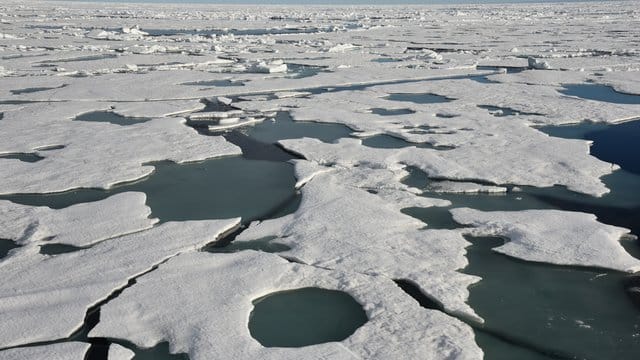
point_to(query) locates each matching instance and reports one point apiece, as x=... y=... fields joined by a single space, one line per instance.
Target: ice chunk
x=95 y=154
x=553 y=236
x=538 y=64
x=547 y=164
x=77 y=225
x=457 y=187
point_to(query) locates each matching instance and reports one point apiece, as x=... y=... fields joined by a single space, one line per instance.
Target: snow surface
x=118 y=352
x=77 y=225
x=95 y=154
x=550 y=161
x=472 y=127
x=62 y=351
x=553 y=236
x=339 y=225
x=61 y=288
x=201 y=302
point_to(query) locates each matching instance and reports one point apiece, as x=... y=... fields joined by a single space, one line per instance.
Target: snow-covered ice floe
x=61 y=288
x=61 y=351
x=341 y=225
x=201 y=302
x=77 y=225
x=458 y=92
x=552 y=236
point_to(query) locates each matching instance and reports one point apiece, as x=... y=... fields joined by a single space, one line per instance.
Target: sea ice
x=118 y=352
x=339 y=225
x=77 y=225
x=552 y=236
x=61 y=288
x=551 y=161
x=62 y=351
x=201 y=302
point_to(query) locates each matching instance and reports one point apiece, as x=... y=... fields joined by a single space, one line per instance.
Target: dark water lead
x=425 y=98
x=617 y=144
x=284 y=127
x=384 y=141
x=599 y=92
x=212 y=189
x=110 y=117
x=561 y=311
x=504 y=111
x=34 y=89
x=24 y=157
x=305 y=316
x=215 y=83
x=391 y=112
x=56 y=249
x=7 y=245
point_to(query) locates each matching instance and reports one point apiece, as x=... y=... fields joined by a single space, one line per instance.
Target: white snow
x=553 y=236
x=457 y=187
x=341 y=226
x=201 y=302
x=95 y=154
x=79 y=225
x=550 y=161
x=499 y=72
x=61 y=288
x=118 y=352
x=63 y=351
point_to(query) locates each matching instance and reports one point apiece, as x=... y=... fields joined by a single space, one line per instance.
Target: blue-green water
x=599 y=93
x=212 y=189
x=284 y=127
x=110 y=117
x=305 y=317
x=25 y=157
x=426 y=98
x=6 y=245
x=563 y=311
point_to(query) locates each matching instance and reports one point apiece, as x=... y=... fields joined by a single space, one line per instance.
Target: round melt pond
x=305 y=316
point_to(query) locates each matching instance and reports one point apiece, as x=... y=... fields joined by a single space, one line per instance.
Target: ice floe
x=550 y=164
x=340 y=225
x=62 y=351
x=94 y=154
x=118 y=352
x=61 y=288
x=552 y=236
x=200 y=303
x=77 y=225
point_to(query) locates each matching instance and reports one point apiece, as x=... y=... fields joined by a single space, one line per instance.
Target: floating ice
x=61 y=288
x=340 y=225
x=201 y=302
x=78 y=225
x=456 y=187
x=553 y=236
x=61 y=351
x=118 y=352
x=95 y=154
x=549 y=162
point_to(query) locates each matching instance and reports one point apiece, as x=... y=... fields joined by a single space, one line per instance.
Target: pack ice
x=94 y=95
